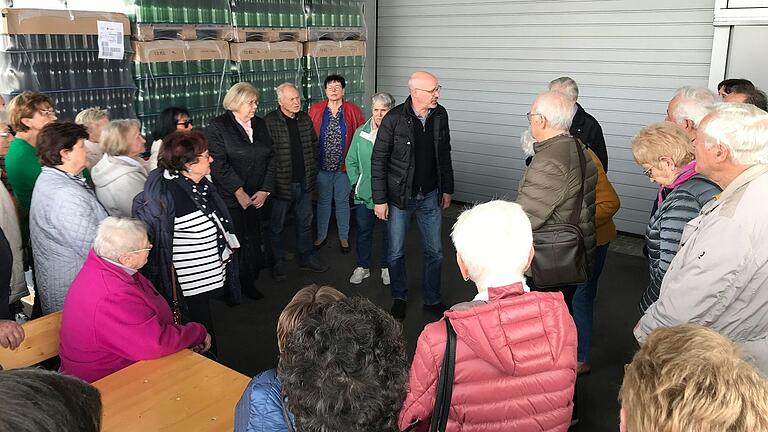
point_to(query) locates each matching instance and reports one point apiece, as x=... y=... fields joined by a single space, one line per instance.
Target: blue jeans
x=429 y=219
x=583 y=302
x=301 y=200
x=366 y=221
x=332 y=186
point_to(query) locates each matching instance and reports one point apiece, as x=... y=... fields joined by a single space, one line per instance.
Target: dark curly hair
x=344 y=369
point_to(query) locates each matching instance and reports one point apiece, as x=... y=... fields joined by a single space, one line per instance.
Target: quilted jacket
x=662 y=236
x=278 y=130
x=63 y=219
x=515 y=365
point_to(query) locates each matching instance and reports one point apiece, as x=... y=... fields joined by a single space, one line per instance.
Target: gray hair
x=118 y=236
x=238 y=95
x=284 y=86
x=494 y=240
x=567 y=86
x=694 y=104
x=742 y=128
x=114 y=137
x=383 y=98
x=556 y=108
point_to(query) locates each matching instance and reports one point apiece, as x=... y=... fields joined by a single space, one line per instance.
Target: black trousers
x=199 y=311
x=250 y=257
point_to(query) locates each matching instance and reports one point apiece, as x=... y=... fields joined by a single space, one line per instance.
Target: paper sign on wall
x=111 y=44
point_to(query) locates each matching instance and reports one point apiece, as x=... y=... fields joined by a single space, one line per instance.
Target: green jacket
x=22 y=167
x=359 y=164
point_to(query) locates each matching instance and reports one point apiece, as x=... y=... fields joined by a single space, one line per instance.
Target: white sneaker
x=359 y=274
x=385 y=276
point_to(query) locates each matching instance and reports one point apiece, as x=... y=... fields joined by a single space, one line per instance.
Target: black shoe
x=435 y=309
x=313 y=263
x=398 y=309
x=278 y=271
x=345 y=249
x=320 y=245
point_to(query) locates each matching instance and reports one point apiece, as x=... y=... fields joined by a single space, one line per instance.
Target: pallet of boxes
x=81 y=59
x=336 y=45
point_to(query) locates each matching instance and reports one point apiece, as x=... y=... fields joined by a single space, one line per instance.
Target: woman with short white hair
x=113 y=316
x=94 y=119
x=120 y=174
x=515 y=349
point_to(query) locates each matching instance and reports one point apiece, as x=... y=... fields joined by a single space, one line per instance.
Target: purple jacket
x=112 y=320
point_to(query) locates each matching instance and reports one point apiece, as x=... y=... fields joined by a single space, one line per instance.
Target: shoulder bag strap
x=288 y=423
x=175 y=306
x=445 y=382
x=576 y=212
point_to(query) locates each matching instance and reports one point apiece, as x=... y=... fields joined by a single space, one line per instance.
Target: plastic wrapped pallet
x=335 y=13
x=182 y=12
x=266 y=65
x=190 y=74
x=345 y=58
x=58 y=52
x=268 y=13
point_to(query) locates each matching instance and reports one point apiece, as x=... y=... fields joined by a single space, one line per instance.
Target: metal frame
x=729 y=13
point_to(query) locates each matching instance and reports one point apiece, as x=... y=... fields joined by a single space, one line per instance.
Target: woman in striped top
x=191 y=229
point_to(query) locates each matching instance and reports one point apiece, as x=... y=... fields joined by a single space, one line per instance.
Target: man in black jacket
x=411 y=172
x=584 y=126
x=295 y=146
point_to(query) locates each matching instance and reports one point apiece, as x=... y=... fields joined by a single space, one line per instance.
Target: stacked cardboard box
x=189 y=74
x=58 y=52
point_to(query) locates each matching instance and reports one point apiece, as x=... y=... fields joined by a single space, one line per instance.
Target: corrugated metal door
x=493 y=57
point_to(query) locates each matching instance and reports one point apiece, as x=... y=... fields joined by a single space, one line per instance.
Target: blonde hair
x=90 y=116
x=238 y=95
x=662 y=139
x=25 y=105
x=114 y=137
x=690 y=378
x=305 y=302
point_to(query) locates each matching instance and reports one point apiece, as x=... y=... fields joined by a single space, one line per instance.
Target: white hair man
x=412 y=172
x=719 y=277
x=689 y=106
x=294 y=146
x=549 y=189
x=583 y=126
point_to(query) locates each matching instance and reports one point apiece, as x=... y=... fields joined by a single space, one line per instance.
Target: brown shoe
x=583 y=368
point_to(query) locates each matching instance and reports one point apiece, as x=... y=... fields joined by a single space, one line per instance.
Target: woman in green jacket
x=358 y=164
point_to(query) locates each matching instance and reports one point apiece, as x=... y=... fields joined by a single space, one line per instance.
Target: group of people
x=133 y=251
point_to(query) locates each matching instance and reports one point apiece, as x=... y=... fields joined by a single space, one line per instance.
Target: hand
x=204 y=346
x=446 y=202
x=259 y=198
x=242 y=198
x=382 y=211
x=11 y=334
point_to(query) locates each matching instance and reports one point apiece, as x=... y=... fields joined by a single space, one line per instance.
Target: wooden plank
x=180 y=392
x=41 y=342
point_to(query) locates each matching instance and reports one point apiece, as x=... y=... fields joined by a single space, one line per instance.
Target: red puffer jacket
x=515 y=365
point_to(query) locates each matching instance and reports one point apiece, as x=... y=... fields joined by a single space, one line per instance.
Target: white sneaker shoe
x=385 y=276
x=359 y=274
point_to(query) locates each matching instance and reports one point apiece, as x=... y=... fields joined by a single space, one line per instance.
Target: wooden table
x=180 y=392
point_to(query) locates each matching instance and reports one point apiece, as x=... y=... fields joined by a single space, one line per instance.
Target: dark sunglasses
x=185 y=123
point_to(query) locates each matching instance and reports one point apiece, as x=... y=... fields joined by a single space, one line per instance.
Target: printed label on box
x=110 y=40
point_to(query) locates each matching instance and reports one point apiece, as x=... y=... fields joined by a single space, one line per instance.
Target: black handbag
x=560 y=255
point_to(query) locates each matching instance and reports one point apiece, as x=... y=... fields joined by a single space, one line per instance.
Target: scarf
x=683 y=176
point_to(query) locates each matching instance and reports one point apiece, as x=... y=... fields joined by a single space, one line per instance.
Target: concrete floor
x=247 y=340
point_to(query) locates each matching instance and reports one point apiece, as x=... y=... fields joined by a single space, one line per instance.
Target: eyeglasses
x=433 y=91
x=147 y=249
x=48 y=113
x=185 y=123
x=254 y=102
x=530 y=115
x=334 y=87
x=649 y=172
x=5 y=134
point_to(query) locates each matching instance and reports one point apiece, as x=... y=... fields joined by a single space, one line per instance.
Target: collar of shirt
x=423 y=120
x=483 y=296
x=247 y=127
x=126 y=269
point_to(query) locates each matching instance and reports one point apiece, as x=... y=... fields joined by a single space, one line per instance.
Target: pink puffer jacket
x=515 y=365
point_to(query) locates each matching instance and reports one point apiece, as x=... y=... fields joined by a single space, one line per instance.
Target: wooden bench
x=41 y=342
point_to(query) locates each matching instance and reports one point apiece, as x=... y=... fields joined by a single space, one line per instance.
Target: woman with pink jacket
x=515 y=366
x=113 y=316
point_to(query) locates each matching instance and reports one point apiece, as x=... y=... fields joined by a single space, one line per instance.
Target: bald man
x=412 y=174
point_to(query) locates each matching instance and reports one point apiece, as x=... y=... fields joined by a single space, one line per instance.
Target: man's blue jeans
x=333 y=186
x=583 y=302
x=301 y=200
x=429 y=219
x=366 y=221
